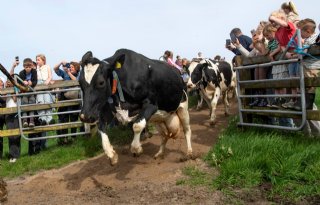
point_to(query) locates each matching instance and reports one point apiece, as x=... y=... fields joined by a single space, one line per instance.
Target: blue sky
x=66 y=29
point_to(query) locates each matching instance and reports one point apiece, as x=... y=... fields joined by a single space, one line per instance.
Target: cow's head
x=191 y=68
x=196 y=72
x=205 y=69
x=95 y=85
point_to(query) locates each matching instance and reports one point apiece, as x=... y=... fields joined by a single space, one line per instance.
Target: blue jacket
x=245 y=41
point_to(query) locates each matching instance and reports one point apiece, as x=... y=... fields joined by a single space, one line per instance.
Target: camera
x=228 y=42
x=67 y=65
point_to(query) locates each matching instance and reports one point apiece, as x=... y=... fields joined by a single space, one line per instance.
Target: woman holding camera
x=69 y=71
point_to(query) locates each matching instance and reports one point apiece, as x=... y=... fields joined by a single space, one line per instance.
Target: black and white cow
x=134 y=88
x=212 y=78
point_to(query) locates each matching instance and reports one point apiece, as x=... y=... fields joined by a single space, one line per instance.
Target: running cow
x=133 y=88
x=212 y=78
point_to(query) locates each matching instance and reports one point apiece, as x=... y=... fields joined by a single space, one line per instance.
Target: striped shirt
x=272 y=45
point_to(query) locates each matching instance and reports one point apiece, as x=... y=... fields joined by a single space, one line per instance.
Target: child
x=286 y=30
x=29 y=77
x=284 y=33
x=311 y=66
x=278 y=71
x=291 y=12
x=44 y=77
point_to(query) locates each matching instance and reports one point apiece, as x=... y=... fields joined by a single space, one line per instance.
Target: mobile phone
x=228 y=42
x=17 y=58
x=233 y=37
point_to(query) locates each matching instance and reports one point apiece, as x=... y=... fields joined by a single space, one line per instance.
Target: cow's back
x=226 y=69
x=146 y=79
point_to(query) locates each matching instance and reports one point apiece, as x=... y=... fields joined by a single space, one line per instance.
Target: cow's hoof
x=213 y=122
x=136 y=151
x=226 y=114
x=114 y=159
x=188 y=156
x=159 y=155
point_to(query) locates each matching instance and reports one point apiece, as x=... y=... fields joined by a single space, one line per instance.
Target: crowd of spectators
x=36 y=73
x=271 y=37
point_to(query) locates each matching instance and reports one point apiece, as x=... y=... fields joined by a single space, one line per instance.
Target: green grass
x=251 y=158
x=287 y=163
x=55 y=156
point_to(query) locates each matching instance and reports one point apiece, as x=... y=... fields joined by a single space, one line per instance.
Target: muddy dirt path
x=141 y=180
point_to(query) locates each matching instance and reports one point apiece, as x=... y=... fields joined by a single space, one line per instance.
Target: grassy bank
x=282 y=165
x=55 y=156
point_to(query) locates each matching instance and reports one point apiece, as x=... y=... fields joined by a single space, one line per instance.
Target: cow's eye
x=101 y=83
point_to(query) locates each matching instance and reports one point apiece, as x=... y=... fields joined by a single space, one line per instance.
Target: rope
x=119 y=88
x=301 y=50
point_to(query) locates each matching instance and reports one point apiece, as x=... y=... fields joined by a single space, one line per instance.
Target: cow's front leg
x=137 y=127
x=108 y=149
x=104 y=118
x=147 y=111
x=214 y=103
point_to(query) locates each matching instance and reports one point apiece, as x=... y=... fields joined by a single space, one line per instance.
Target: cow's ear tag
x=118 y=65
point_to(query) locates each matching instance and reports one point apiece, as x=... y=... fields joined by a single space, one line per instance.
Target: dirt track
x=141 y=180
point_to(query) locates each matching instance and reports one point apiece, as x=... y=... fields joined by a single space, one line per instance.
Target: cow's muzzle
x=86 y=119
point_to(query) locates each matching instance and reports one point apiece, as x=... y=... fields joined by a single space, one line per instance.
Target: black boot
x=309 y=102
x=255 y=102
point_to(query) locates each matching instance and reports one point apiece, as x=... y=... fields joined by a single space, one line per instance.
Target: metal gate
x=245 y=110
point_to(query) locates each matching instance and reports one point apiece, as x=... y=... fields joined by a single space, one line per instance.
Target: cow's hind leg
x=226 y=103
x=138 y=126
x=214 y=103
x=183 y=115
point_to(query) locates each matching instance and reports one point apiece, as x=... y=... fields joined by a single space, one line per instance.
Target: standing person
x=244 y=40
x=310 y=68
x=35 y=145
x=284 y=33
x=12 y=123
x=311 y=65
x=44 y=75
x=278 y=71
x=69 y=71
x=179 y=61
x=29 y=77
x=200 y=56
x=168 y=56
x=2 y=117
